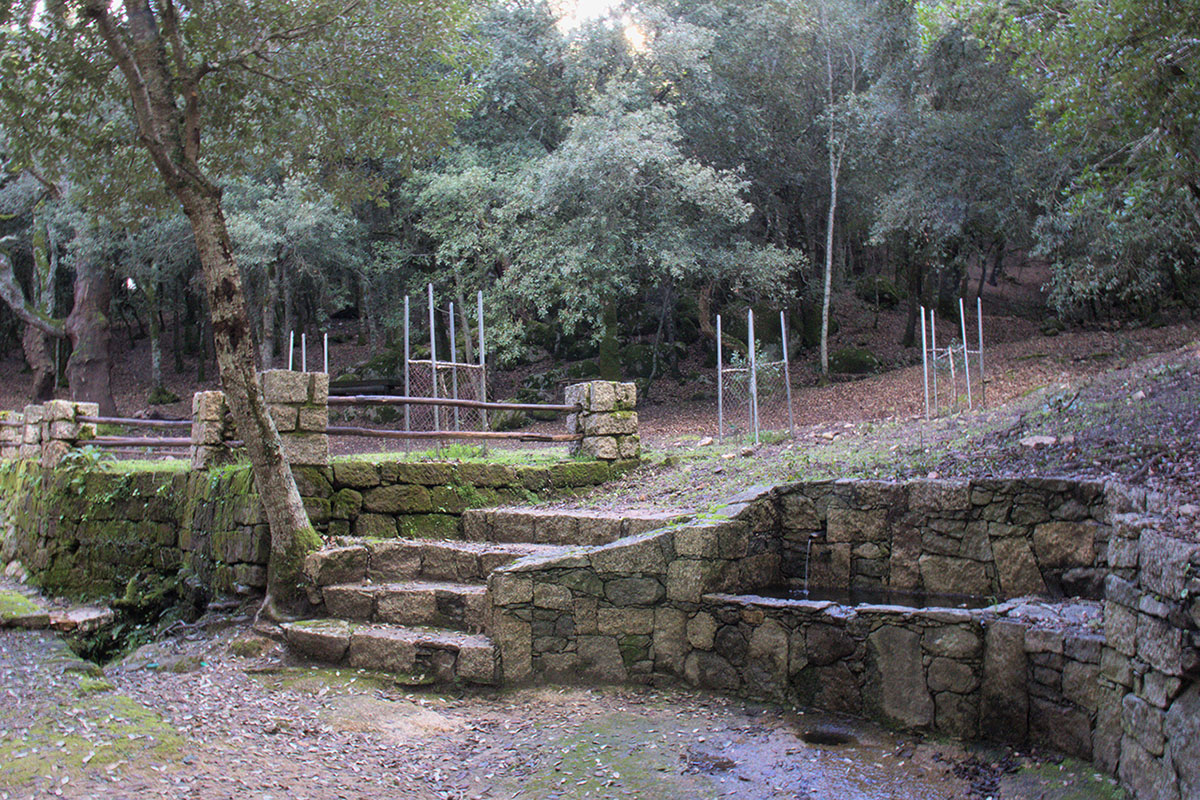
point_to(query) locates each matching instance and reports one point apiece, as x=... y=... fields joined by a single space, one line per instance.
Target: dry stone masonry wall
x=87 y=531
x=1108 y=672
x=606 y=420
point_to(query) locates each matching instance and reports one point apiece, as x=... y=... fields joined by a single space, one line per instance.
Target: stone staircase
x=419 y=607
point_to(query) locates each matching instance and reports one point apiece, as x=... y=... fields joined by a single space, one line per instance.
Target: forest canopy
x=615 y=182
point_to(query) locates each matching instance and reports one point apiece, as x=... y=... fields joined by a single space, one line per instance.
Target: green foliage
x=620 y=206
x=305 y=85
x=1118 y=85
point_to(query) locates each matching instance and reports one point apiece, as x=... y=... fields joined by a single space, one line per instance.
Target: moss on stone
x=17 y=609
x=450 y=499
x=580 y=473
x=428 y=526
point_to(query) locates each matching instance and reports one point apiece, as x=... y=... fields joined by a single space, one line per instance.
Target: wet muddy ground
x=216 y=712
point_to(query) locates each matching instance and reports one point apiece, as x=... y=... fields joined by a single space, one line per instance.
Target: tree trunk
x=89 y=369
x=151 y=289
x=915 y=276
x=834 y=165
x=292 y=535
x=270 y=295
x=167 y=107
x=36 y=346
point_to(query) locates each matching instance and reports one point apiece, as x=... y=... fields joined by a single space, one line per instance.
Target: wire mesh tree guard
x=750 y=389
x=940 y=365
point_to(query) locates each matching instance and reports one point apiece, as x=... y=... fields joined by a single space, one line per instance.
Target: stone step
x=441 y=655
x=456 y=606
x=559 y=527
x=384 y=560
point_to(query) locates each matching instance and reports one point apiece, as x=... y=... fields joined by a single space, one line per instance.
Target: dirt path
x=187 y=718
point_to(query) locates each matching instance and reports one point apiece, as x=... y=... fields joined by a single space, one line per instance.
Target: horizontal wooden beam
x=136 y=441
x=144 y=423
x=338 y=430
x=400 y=400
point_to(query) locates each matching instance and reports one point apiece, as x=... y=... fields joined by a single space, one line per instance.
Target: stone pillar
x=211 y=428
x=61 y=431
x=11 y=436
x=299 y=404
x=606 y=420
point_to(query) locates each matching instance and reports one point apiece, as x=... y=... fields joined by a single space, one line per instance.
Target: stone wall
x=987 y=538
x=85 y=530
x=1148 y=730
x=679 y=603
x=605 y=419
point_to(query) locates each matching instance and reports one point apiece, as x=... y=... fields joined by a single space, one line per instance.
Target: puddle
x=829 y=737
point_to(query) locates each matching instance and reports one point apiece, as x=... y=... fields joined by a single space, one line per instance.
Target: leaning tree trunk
x=89 y=369
x=167 y=107
x=292 y=535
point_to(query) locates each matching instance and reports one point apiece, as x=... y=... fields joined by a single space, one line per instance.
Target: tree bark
x=36 y=347
x=292 y=535
x=90 y=365
x=270 y=295
x=89 y=369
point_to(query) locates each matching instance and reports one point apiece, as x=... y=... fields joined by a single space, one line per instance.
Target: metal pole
x=720 y=385
x=982 y=380
x=933 y=352
x=326 y=352
x=433 y=360
x=924 y=362
x=753 y=376
x=482 y=360
x=962 y=319
x=304 y=352
x=291 y=350
x=787 y=375
x=407 y=419
x=454 y=367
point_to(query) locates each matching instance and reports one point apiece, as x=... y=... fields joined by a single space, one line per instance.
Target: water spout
x=807 y=560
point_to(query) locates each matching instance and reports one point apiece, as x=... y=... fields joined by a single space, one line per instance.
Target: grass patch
x=1070 y=780
x=170 y=465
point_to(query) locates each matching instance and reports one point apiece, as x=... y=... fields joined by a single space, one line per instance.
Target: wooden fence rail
x=338 y=430
x=132 y=422
x=399 y=400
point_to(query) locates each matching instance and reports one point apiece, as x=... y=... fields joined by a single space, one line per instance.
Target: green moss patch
x=17 y=610
x=121 y=730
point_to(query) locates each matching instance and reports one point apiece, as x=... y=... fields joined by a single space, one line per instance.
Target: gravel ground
x=188 y=718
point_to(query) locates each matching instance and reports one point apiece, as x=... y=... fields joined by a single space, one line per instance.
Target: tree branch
x=187 y=80
x=260 y=48
x=139 y=92
x=12 y=295
x=51 y=187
